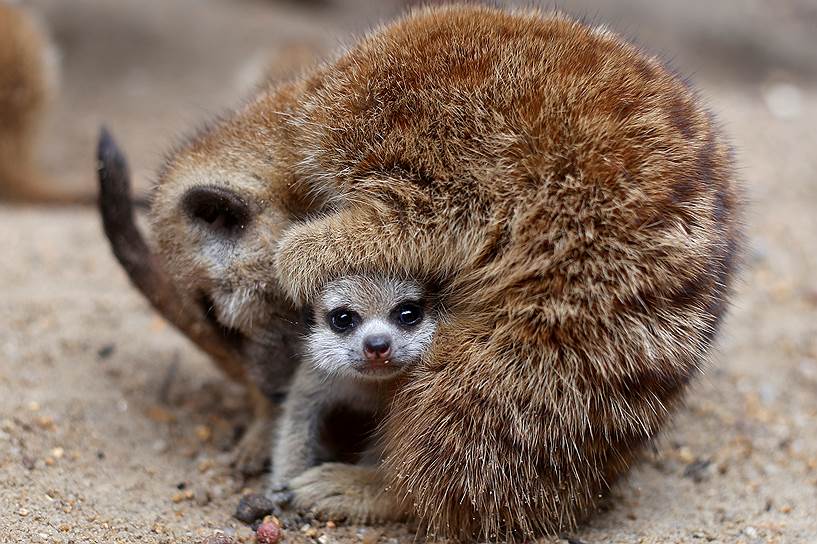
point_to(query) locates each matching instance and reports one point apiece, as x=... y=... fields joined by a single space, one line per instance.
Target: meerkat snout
x=377 y=347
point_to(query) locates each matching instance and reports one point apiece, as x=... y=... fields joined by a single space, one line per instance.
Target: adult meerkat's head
x=370 y=327
x=222 y=201
x=220 y=204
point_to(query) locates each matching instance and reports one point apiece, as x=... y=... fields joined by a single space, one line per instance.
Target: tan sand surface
x=113 y=428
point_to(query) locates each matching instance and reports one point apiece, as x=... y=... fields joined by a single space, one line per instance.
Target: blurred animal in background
x=28 y=77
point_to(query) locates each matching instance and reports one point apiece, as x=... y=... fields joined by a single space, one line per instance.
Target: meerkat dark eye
x=218 y=210
x=342 y=320
x=407 y=314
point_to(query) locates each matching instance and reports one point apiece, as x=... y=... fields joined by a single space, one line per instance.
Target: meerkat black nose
x=377 y=346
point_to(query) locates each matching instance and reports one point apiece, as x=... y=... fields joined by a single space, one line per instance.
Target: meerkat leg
x=310 y=253
x=252 y=453
x=340 y=491
x=329 y=490
x=297 y=446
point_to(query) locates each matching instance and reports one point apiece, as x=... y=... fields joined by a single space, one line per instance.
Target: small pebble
x=201 y=496
x=105 y=351
x=272 y=519
x=182 y=496
x=371 y=536
x=252 y=507
x=204 y=433
x=22 y=512
x=45 y=422
x=330 y=524
x=686 y=455
x=268 y=533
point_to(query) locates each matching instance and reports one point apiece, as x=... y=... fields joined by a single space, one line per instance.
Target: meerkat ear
x=140 y=263
x=220 y=211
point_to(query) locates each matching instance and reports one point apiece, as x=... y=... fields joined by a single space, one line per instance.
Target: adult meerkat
x=264 y=361
x=570 y=195
x=366 y=332
x=216 y=212
x=27 y=80
x=579 y=206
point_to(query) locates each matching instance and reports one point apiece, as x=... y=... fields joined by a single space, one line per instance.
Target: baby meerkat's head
x=370 y=327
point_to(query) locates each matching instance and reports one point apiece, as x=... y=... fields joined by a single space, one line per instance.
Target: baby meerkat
x=365 y=334
x=368 y=328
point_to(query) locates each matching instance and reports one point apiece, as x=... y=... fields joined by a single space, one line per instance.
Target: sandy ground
x=113 y=428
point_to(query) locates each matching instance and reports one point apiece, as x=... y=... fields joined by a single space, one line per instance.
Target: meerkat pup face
x=370 y=328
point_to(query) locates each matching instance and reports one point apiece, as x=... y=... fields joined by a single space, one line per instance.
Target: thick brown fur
x=570 y=195
x=26 y=83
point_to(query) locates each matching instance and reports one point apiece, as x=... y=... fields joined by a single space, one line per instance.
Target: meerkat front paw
x=300 y=260
x=339 y=491
x=312 y=253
